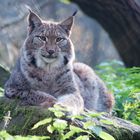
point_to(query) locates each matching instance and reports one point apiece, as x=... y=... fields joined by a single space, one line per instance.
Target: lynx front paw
x=49 y=102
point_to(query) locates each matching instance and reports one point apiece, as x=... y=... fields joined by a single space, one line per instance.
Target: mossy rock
x=23 y=118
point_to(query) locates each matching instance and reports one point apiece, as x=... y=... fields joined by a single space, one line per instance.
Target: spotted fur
x=45 y=73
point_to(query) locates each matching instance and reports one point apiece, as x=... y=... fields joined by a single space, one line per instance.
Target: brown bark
x=121 y=19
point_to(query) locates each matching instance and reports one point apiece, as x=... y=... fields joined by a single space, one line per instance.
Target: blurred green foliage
x=65 y=1
x=124 y=83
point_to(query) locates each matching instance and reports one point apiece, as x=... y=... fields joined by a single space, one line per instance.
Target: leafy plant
x=63 y=130
x=125 y=85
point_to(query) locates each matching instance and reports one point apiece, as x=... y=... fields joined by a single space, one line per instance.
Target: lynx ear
x=33 y=20
x=67 y=24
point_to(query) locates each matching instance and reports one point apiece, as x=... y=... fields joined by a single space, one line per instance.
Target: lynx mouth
x=49 y=56
x=48 y=59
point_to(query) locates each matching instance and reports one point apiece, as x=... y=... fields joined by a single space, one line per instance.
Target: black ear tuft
x=28 y=7
x=67 y=24
x=75 y=13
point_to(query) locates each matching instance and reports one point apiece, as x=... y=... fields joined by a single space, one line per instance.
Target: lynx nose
x=50 y=52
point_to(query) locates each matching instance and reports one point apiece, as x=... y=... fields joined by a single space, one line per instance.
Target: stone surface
x=92 y=43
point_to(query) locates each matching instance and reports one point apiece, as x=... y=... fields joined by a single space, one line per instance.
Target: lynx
x=46 y=74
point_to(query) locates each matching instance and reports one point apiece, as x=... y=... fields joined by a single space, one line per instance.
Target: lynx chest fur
x=50 y=81
x=46 y=74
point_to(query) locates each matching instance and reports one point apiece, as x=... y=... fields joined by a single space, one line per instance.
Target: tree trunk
x=121 y=19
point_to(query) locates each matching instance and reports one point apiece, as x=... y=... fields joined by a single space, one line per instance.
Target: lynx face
x=48 y=43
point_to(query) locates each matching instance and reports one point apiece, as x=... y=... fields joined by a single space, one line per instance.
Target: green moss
x=23 y=117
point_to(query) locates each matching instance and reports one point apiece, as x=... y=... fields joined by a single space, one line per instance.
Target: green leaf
x=76 y=129
x=59 y=114
x=94 y=115
x=58 y=111
x=50 y=128
x=42 y=122
x=88 y=124
x=106 y=136
x=108 y=122
x=4 y=135
x=80 y=117
x=60 y=124
x=97 y=130
x=84 y=137
x=69 y=134
x=79 y=130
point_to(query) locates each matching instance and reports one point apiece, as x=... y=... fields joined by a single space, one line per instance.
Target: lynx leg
x=31 y=97
x=72 y=102
x=93 y=90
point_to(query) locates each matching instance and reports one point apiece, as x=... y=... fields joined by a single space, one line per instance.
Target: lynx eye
x=58 y=39
x=42 y=38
